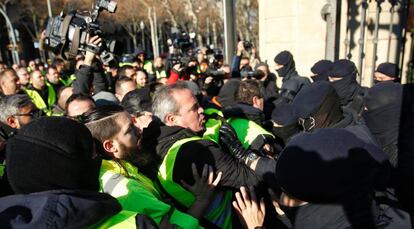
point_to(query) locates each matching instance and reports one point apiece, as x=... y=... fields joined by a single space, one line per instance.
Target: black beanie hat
x=384 y=95
x=321 y=70
x=328 y=166
x=227 y=94
x=310 y=98
x=283 y=57
x=321 y=67
x=283 y=114
x=343 y=68
x=388 y=69
x=52 y=153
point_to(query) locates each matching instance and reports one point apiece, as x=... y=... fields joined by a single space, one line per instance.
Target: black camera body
x=247 y=45
x=67 y=34
x=215 y=73
x=250 y=74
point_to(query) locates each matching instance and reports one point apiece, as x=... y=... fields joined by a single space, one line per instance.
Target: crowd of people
x=193 y=142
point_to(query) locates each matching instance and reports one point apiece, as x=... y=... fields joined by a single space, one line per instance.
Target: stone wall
x=297 y=26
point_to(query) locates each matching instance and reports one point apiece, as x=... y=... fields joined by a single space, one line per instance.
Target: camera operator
x=183 y=71
x=268 y=81
x=90 y=78
x=240 y=62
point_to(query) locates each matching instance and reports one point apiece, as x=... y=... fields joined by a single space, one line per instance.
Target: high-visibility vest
x=38 y=100
x=123 y=219
x=2 y=168
x=248 y=131
x=137 y=193
x=68 y=82
x=148 y=67
x=212 y=125
x=161 y=74
x=220 y=209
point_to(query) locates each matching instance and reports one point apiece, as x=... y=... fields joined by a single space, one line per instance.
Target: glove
x=228 y=140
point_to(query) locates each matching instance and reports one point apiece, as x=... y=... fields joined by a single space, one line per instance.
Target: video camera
x=66 y=34
x=249 y=74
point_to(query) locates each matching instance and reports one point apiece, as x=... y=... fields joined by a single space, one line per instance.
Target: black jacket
x=251 y=113
x=159 y=138
x=292 y=83
x=88 y=77
x=57 y=209
x=5 y=133
x=334 y=216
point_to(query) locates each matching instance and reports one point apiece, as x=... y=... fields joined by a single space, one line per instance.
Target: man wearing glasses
x=15 y=112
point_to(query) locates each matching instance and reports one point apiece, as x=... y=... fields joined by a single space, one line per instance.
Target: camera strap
x=73 y=51
x=75 y=43
x=64 y=33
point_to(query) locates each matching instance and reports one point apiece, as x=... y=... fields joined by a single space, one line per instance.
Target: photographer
x=183 y=70
x=90 y=76
x=239 y=62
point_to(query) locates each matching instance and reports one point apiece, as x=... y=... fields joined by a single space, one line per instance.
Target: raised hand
x=203 y=188
x=247 y=207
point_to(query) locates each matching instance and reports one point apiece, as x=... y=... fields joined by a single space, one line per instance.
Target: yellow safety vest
x=137 y=193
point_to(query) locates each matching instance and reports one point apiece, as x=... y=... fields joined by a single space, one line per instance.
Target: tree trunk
x=131 y=34
x=214 y=35
x=151 y=21
x=195 y=23
x=166 y=5
x=156 y=48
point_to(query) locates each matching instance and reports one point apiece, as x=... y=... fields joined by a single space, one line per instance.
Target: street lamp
x=142 y=26
x=12 y=35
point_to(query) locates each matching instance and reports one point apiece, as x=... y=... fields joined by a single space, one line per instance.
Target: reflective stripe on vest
x=161 y=74
x=137 y=193
x=51 y=97
x=2 y=168
x=114 y=178
x=148 y=67
x=212 y=125
x=68 y=82
x=247 y=130
x=220 y=209
x=38 y=101
x=124 y=219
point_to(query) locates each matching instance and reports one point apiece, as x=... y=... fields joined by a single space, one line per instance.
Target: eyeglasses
x=33 y=114
x=79 y=118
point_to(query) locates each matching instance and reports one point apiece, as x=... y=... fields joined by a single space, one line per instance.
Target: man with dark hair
x=53 y=79
x=268 y=80
x=124 y=85
x=248 y=121
x=43 y=95
x=142 y=79
x=78 y=104
x=9 y=82
x=24 y=77
x=138 y=104
x=119 y=143
x=54 y=174
x=127 y=71
x=247 y=118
